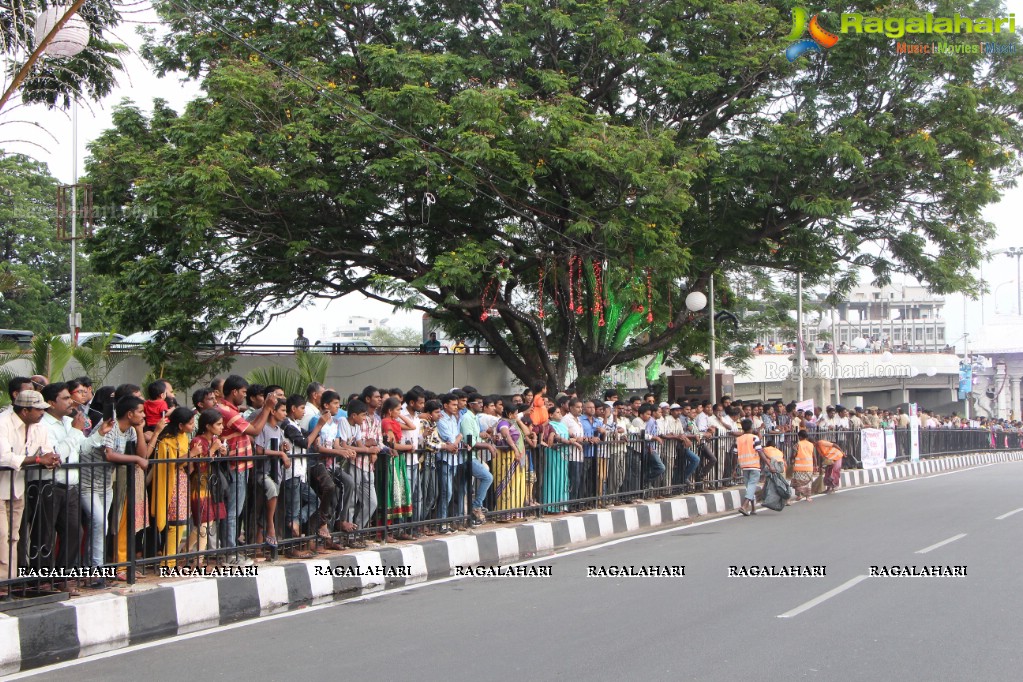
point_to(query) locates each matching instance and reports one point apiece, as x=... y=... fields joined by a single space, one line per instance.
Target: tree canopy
x=36 y=266
x=552 y=177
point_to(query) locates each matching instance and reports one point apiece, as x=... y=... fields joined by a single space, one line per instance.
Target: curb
x=52 y=633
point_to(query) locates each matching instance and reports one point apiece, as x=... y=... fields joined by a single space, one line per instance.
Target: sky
x=139 y=84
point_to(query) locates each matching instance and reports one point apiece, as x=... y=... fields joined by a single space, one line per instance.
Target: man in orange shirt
x=751 y=457
x=803 y=466
x=237 y=436
x=831 y=464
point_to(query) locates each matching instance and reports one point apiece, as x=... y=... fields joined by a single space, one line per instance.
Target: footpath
x=50 y=633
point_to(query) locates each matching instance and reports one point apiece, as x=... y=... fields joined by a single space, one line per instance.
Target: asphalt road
x=703 y=626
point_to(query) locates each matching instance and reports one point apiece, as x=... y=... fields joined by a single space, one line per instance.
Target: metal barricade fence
x=181 y=511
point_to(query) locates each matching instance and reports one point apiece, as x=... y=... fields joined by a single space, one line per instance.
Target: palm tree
x=50 y=355
x=312 y=367
x=96 y=357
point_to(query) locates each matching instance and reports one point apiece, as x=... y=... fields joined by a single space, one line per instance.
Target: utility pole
x=799 y=335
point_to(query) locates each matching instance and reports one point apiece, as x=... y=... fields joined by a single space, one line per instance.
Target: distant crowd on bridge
x=130 y=479
x=875 y=344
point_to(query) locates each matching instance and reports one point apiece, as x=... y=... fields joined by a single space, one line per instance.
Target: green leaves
x=451 y=157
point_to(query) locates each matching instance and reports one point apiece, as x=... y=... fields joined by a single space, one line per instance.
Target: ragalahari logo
x=819 y=36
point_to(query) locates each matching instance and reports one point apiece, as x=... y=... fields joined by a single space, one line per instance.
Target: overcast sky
x=140 y=85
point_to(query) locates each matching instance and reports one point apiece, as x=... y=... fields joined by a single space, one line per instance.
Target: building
x=358 y=328
x=902 y=315
x=897 y=315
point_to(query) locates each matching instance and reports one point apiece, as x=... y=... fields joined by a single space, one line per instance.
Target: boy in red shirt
x=156 y=405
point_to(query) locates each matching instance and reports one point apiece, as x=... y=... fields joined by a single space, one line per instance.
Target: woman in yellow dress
x=170 y=480
x=510 y=463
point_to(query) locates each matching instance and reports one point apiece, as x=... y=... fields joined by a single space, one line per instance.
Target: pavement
x=703 y=625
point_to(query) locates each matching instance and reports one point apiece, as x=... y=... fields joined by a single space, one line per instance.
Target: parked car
x=332 y=346
x=85 y=337
x=23 y=337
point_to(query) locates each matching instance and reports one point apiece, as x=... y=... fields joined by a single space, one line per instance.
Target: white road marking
x=925 y=550
x=824 y=597
x=1005 y=516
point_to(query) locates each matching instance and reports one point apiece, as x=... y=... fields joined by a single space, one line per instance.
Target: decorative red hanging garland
x=575 y=275
x=598 y=292
x=671 y=311
x=649 y=298
x=578 y=285
x=539 y=302
x=571 y=285
x=493 y=298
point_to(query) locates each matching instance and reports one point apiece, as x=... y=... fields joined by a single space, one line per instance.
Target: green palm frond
x=9 y=351
x=50 y=355
x=311 y=367
x=96 y=358
x=289 y=379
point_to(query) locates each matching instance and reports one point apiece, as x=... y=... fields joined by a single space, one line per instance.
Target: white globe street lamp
x=72 y=37
x=696 y=301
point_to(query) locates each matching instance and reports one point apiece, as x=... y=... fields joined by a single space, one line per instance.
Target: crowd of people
x=874 y=344
x=94 y=477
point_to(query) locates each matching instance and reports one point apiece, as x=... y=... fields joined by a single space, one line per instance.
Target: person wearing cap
x=23 y=440
x=856 y=419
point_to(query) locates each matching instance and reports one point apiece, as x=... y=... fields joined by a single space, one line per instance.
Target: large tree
x=34 y=264
x=467 y=156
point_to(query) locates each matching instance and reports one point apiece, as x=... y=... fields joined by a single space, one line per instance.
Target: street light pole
x=799 y=335
x=713 y=346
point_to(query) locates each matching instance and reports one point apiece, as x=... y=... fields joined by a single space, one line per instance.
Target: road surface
x=703 y=626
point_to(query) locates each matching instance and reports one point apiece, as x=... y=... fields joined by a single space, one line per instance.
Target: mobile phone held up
x=108 y=411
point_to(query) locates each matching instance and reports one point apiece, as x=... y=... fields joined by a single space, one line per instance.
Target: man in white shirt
x=313 y=396
x=415 y=402
x=829 y=421
x=574 y=455
x=701 y=415
x=52 y=502
x=23 y=440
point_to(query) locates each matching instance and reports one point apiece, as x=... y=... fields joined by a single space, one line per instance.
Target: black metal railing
x=124 y=522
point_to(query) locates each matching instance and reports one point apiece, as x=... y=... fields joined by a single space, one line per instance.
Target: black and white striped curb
x=51 y=633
